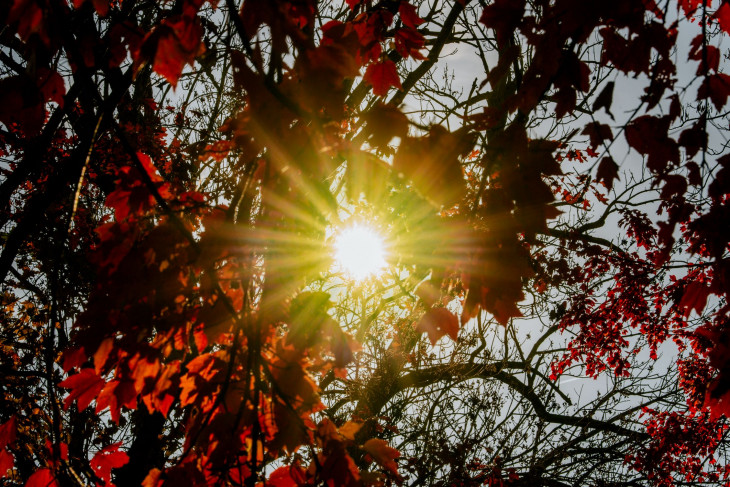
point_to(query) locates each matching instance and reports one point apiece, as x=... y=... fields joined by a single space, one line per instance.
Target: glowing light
x=359 y=252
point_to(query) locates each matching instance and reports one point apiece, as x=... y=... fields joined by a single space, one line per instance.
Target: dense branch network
x=551 y=179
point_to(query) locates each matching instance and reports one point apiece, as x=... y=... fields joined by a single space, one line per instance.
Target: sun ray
x=360 y=252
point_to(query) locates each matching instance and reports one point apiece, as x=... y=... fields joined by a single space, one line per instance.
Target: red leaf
x=383 y=454
x=689 y=6
x=382 y=76
x=85 y=386
x=7 y=461
x=173 y=44
x=42 y=478
x=101 y=6
x=715 y=87
x=7 y=432
x=73 y=357
x=409 y=42
x=51 y=86
x=30 y=18
x=287 y=476
x=503 y=16
x=694 y=298
x=408 y=15
x=438 y=322
x=607 y=172
x=353 y=3
x=722 y=16
x=598 y=132
x=21 y=102
x=107 y=459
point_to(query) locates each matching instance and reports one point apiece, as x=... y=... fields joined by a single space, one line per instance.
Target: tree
x=555 y=206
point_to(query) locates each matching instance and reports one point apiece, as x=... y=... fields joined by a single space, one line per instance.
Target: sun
x=359 y=252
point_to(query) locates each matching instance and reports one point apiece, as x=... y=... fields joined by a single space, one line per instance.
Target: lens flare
x=359 y=252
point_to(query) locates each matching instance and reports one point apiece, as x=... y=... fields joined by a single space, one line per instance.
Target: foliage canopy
x=551 y=181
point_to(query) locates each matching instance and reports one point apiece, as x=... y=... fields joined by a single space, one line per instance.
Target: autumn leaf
x=409 y=14
x=7 y=432
x=116 y=394
x=598 y=132
x=287 y=476
x=383 y=123
x=383 y=454
x=21 y=103
x=604 y=99
x=42 y=478
x=31 y=20
x=382 y=75
x=173 y=44
x=409 y=42
x=438 y=322
x=106 y=459
x=85 y=387
x=694 y=298
x=607 y=172
x=503 y=16
x=7 y=461
x=7 y=437
x=432 y=164
x=51 y=86
x=716 y=87
x=153 y=478
x=102 y=354
x=722 y=16
x=349 y=430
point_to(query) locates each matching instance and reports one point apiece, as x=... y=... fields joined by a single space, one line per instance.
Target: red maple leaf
x=382 y=76
x=7 y=437
x=101 y=6
x=722 y=15
x=598 y=132
x=409 y=42
x=607 y=171
x=107 y=459
x=408 y=15
x=689 y=6
x=716 y=87
x=116 y=394
x=353 y=3
x=85 y=386
x=383 y=454
x=694 y=298
x=173 y=44
x=31 y=20
x=7 y=461
x=438 y=322
x=51 y=86
x=287 y=476
x=42 y=478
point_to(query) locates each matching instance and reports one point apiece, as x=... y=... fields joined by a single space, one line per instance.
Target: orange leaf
x=153 y=478
x=438 y=322
x=383 y=454
x=115 y=395
x=102 y=353
x=349 y=430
